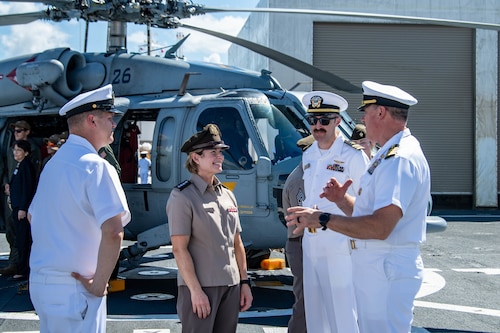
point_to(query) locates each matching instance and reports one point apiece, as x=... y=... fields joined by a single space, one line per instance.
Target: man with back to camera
x=76 y=245
x=386 y=221
x=144 y=166
x=328 y=291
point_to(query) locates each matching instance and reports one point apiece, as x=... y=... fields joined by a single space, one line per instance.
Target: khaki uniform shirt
x=293 y=195
x=209 y=215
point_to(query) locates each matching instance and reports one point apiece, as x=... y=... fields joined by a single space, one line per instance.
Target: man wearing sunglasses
x=328 y=290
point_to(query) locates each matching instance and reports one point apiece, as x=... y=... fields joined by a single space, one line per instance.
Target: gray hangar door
x=433 y=63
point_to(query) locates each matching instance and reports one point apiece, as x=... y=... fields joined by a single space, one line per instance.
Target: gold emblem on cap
x=316 y=102
x=94 y=106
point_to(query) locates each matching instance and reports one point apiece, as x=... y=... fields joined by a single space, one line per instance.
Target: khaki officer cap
x=208 y=138
x=359 y=132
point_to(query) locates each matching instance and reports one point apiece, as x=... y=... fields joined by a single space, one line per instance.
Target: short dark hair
x=398 y=113
x=23 y=144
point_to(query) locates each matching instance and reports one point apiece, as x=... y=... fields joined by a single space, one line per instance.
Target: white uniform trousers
x=328 y=289
x=64 y=305
x=386 y=281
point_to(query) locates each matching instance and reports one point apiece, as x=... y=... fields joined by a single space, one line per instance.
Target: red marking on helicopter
x=12 y=75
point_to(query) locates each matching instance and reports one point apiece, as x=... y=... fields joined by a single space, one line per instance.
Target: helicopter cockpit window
x=240 y=155
x=278 y=133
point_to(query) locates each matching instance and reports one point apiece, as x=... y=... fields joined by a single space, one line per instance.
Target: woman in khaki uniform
x=205 y=232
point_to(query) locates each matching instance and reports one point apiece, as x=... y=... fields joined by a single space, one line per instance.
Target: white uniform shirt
x=77 y=192
x=341 y=161
x=402 y=180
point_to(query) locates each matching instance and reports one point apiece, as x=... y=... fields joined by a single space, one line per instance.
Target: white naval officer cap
x=99 y=99
x=381 y=94
x=324 y=102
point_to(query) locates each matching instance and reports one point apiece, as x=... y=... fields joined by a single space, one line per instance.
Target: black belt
x=295 y=239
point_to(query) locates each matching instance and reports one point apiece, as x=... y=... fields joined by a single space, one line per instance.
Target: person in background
x=76 y=246
x=144 y=166
x=358 y=136
x=21 y=130
x=328 y=291
x=294 y=195
x=107 y=153
x=21 y=189
x=204 y=224
x=386 y=221
x=52 y=143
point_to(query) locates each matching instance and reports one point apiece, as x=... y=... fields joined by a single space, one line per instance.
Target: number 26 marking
x=119 y=77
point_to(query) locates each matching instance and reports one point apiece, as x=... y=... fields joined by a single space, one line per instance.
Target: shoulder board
x=353 y=145
x=392 y=151
x=181 y=186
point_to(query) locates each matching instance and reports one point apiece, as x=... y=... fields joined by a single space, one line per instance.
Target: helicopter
x=165 y=100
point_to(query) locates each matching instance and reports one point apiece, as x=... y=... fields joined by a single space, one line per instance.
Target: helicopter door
x=244 y=168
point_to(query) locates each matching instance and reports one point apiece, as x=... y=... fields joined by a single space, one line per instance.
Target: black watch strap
x=246 y=281
x=324 y=218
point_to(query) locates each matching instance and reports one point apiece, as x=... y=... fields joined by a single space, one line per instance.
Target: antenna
x=179 y=53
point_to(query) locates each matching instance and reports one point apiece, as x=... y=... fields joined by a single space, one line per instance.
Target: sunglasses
x=324 y=121
x=19 y=130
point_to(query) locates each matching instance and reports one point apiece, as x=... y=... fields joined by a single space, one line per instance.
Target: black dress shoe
x=9 y=270
x=19 y=277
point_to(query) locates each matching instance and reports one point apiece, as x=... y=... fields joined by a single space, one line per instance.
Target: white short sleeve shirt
x=77 y=192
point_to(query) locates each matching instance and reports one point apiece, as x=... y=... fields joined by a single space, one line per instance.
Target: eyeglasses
x=325 y=121
x=19 y=130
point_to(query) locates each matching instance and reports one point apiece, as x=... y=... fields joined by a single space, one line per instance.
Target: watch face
x=323 y=220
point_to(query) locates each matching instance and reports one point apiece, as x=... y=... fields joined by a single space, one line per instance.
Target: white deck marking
x=458 y=308
x=487 y=271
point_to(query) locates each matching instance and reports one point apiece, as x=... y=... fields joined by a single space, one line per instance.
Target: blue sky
x=38 y=36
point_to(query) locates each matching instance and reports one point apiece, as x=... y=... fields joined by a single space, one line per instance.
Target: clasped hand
x=304 y=217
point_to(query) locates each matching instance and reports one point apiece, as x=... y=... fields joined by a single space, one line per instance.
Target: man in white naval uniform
x=76 y=244
x=328 y=291
x=387 y=218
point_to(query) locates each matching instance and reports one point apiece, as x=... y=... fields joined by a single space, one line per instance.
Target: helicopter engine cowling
x=40 y=73
x=77 y=75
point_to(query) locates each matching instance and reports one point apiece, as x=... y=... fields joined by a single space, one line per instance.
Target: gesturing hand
x=334 y=191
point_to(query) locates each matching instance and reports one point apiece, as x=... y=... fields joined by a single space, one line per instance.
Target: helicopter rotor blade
x=296 y=64
x=13 y=19
x=399 y=18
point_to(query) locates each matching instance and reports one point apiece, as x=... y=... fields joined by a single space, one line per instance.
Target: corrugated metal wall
x=433 y=63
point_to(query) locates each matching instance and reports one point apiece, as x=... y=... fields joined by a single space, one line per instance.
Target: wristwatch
x=324 y=218
x=245 y=281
